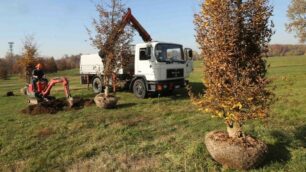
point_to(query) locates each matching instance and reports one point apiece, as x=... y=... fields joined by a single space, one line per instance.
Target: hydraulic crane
x=128 y=18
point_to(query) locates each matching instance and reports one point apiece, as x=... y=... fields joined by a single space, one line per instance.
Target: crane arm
x=142 y=32
x=127 y=18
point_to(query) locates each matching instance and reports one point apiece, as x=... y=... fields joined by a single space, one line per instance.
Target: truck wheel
x=97 y=85
x=139 y=89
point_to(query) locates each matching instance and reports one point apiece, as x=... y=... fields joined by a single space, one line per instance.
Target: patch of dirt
x=10 y=93
x=134 y=121
x=54 y=106
x=44 y=133
x=80 y=103
x=116 y=162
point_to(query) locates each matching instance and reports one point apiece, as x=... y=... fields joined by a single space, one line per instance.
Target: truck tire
x=97 y=85
x=139 y=89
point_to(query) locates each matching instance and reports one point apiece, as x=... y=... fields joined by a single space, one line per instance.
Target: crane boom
x=129 y=18
x=119 y=29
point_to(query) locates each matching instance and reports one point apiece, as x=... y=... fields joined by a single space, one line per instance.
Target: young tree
x=233 y=36
x=297 y=19
x=111 y=39
x=28 y=61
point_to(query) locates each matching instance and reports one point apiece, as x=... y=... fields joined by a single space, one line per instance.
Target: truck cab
x=160 y=67
x=156 y=67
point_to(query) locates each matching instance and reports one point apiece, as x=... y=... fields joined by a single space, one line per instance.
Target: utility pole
x=11 y=44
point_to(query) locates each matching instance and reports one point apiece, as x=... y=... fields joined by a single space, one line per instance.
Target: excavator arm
x=65 y=83
x=55 y=81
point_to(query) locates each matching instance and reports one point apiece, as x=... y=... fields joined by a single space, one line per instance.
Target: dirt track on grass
x=57 y=105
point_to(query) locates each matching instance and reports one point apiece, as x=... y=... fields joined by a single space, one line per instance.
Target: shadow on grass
x=278 y=152
x=300 y=134
x=125 y=105
x=197 y=88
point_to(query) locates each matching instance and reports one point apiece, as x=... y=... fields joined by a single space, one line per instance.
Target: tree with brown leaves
x=297 y=19
x=28 y=61
x=111 y=39
x=233 y=36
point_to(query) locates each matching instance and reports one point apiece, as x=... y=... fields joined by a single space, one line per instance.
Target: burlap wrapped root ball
x=108 y=102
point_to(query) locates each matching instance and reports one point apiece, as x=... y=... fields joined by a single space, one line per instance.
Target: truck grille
x=174 y=73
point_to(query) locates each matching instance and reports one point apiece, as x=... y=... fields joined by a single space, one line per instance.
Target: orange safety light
x=159 y=87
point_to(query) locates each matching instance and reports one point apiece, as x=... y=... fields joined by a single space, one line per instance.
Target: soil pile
x=79 y=103
x=54 y=106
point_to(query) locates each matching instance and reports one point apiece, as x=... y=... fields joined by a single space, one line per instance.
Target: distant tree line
x=275 y=50
x=11 y=64
x=14 y=64
x=286 y=50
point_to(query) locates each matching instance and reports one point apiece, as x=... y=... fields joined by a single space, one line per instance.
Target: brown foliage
x=297 y=19
x=3 y=69
x=49 y=64
x=68 y=62
x=11 y=61
x=111 y=38
x=233 y=35
x=28 y=61
x=14 y=64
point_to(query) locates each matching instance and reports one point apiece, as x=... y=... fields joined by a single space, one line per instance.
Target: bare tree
x=233 y=36
x=111 y=39
x=297 y=19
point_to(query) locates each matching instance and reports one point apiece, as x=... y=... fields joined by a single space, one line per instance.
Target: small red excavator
x=44 y=88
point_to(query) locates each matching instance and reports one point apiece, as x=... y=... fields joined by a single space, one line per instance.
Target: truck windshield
x=169 y=53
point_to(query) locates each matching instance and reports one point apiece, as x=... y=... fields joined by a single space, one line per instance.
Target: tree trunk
x=106 y=91
x=234 y=130
x=114 y=82
x=106 y=84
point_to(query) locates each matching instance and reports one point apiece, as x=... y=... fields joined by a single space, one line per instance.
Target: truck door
x=143 y=64
x=189 y=60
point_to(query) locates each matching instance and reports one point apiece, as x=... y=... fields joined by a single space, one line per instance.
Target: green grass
x=155 y=134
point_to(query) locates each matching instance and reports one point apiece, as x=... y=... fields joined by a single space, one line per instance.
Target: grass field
x=155 y=134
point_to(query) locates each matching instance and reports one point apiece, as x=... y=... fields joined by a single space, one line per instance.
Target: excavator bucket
x=70 y=102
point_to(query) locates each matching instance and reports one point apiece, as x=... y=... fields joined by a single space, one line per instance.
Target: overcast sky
x=59 y=25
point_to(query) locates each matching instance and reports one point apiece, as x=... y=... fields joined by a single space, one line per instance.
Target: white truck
x=156 y=67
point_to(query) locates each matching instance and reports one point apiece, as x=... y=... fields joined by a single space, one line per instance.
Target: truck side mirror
x=188 y=53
